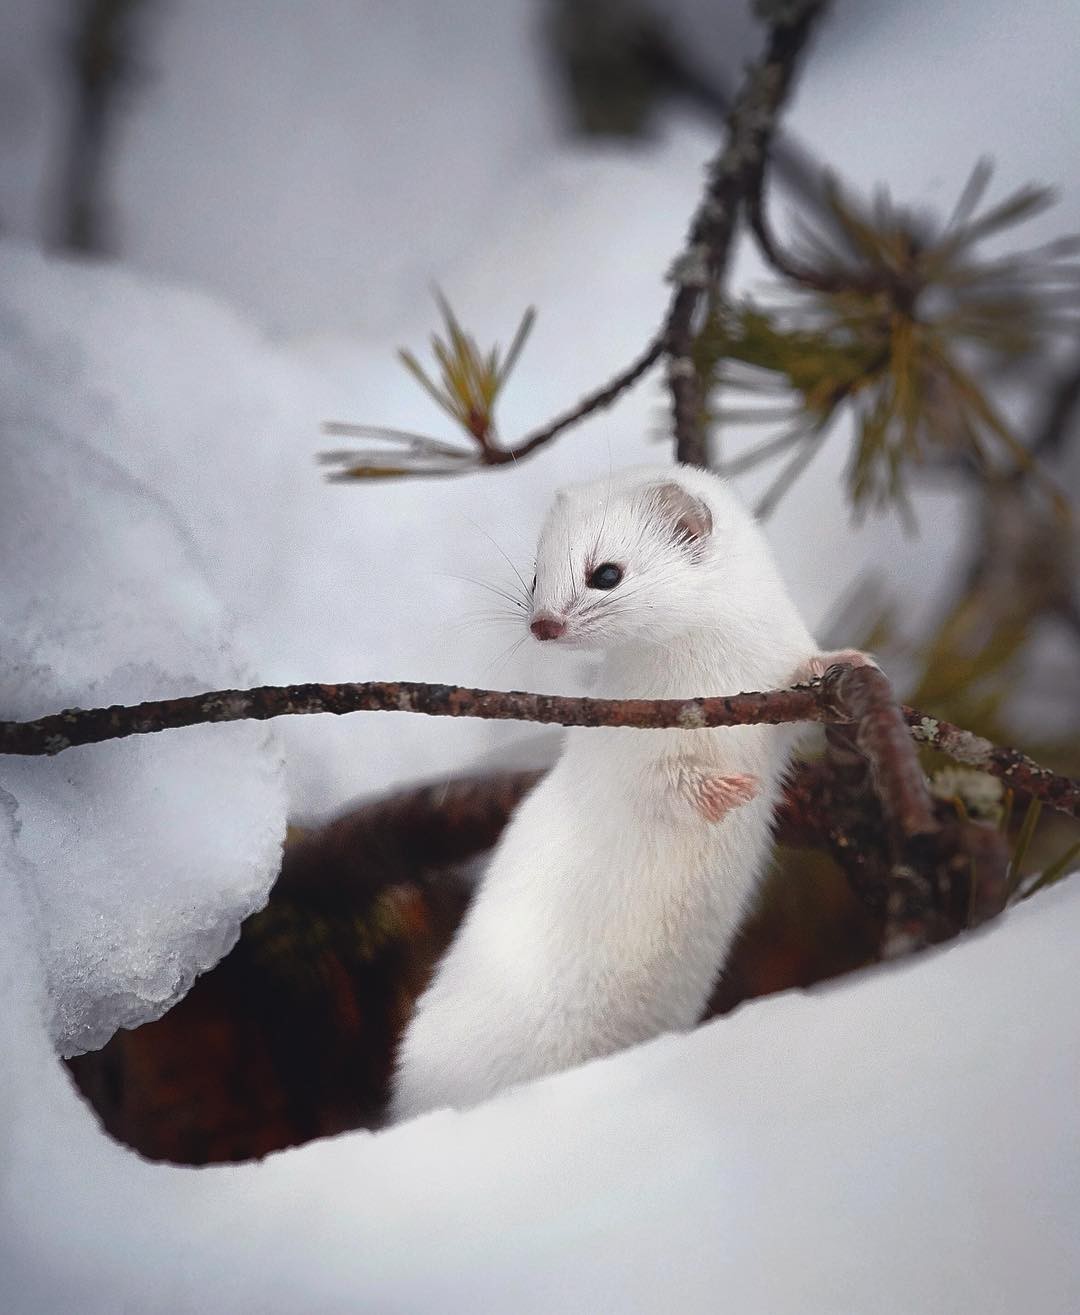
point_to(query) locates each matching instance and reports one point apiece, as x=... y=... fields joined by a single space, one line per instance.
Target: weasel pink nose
x=546 y=626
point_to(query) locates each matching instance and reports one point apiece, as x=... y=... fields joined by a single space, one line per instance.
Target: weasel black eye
x=534 y=584
x=606 y=576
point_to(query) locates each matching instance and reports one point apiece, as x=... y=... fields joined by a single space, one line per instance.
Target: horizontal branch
x=77 y=726
x=842 y=696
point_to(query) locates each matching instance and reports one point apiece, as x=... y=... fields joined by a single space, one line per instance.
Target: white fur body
x=611 y=902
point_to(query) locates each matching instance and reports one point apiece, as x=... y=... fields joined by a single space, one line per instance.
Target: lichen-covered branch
x=1016 y=769
x=923 y=887
x=700 y=268
x=862 y=697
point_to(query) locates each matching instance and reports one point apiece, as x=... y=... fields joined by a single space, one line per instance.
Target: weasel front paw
x=715 y=796
x=815 y=667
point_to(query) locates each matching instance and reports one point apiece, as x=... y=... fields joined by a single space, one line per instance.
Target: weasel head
x=643 y=556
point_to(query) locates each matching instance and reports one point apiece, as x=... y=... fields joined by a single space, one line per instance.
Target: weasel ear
x=687 y=518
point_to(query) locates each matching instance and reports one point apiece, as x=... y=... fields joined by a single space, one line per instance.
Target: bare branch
x=597 y=400
x=77 y=726
x=862 y=697
x=844 y=695
x=925 y=874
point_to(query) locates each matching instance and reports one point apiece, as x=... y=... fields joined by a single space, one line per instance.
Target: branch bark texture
x=1016 y=769
x=734 y=177
x=861 y=697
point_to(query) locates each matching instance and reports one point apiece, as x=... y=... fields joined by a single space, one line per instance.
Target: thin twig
x=597 y=400
x=418 y=455
x=819 y=280
x=789 y=268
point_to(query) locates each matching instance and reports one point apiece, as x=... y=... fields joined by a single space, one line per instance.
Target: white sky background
x=302 y=172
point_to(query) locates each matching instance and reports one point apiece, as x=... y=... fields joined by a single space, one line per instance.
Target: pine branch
x=698 y=271
x=734 y=176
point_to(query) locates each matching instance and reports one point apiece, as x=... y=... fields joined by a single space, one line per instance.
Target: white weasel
x=613 y=896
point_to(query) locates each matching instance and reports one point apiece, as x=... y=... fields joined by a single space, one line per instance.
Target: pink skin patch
x=817 y=666
x=715 y=796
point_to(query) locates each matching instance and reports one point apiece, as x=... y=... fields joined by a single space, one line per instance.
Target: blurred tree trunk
x=103 y=64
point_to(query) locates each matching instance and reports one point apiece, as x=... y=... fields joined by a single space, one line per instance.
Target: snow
x=906 y=1140
x=144 y=855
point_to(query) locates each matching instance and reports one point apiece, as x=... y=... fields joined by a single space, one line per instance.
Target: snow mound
x=141 y=857
x=903 y=1141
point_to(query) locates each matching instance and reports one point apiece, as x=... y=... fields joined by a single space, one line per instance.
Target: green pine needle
x=1023 y=841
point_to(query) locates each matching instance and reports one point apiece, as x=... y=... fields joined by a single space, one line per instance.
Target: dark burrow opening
x=292 y=1036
